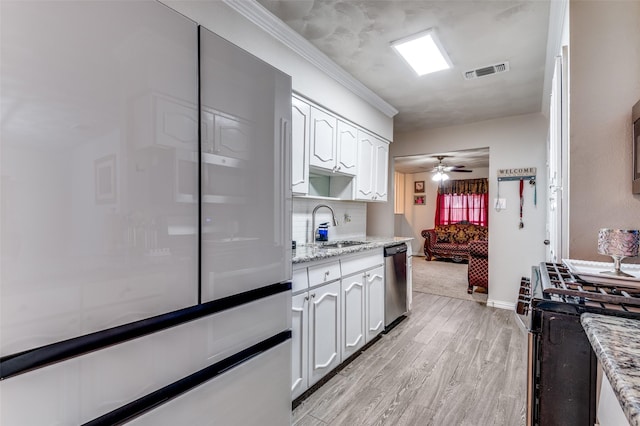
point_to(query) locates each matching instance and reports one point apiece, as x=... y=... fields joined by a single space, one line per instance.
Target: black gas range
x=562 y=367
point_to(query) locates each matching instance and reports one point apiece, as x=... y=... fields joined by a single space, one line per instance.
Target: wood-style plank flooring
x=452 y=362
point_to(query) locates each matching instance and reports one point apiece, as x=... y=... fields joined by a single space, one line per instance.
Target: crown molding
x=268 y=22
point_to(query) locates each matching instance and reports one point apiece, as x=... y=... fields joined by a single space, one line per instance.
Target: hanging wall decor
x=520 y=174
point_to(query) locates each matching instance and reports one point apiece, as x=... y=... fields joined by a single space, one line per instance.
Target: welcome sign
x=521 y=173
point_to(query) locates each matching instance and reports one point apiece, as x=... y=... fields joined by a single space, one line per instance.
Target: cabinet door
x=353 y=307
x=299 y=343
x=381 y=171
x=374 y=281
x=347 y=148
x=300 y=127
x=323 y=140
x=364 y=178
x=324 y=330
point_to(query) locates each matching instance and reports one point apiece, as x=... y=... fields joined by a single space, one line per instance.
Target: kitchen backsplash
x=351 y=217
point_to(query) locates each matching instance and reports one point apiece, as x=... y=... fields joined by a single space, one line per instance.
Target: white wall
x=604 y=84
x=306 y=78
x=513 y=142
x=416 y=217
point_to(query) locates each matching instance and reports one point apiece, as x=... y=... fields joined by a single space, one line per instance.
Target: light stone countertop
x=617 y=345
x=307 y=252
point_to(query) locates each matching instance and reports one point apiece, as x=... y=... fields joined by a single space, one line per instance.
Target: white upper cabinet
x=381 y=173
x=373 y=162
x=366 y=157
x=300 y=128
x=323 y=140
x=334 y=144
x=347 y=147
x=336 y=150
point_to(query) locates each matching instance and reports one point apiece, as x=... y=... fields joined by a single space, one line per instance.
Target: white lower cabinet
x=332 y=321
x=374 y=288
x=299 y=344
x=324 y=330
x=353 y=314
x=315 y=336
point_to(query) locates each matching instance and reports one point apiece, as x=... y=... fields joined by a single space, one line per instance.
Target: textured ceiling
x=357 y=34
x=470 y=159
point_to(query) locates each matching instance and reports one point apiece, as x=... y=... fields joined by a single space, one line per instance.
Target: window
x=463 y=201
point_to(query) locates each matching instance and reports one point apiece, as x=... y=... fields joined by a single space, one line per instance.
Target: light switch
x=500 y=203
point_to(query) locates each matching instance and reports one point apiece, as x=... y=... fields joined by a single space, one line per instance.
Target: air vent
x=485 y=71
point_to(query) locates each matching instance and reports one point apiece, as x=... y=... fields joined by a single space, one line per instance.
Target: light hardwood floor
x=452 y=362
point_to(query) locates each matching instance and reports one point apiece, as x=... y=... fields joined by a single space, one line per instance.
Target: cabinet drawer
x=300 y=280
x=368 y=260
x=324 y=273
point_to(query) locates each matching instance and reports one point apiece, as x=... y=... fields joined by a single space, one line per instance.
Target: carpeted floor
x=444 y=279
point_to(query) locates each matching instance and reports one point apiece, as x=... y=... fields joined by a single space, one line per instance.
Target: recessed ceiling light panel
x=423 y=52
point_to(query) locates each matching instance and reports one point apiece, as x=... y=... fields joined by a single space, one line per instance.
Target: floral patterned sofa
x=452 y=241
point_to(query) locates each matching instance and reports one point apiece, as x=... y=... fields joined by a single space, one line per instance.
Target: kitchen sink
x=341 y=244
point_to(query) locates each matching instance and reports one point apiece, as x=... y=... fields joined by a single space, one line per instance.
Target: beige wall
x=604 y=84
x=518 y=141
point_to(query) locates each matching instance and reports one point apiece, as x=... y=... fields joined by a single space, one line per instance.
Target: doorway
x=415 y=210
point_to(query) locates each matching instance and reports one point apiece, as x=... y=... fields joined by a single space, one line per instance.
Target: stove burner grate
x=569 y=288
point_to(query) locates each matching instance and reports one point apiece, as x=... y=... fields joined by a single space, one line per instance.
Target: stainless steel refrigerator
x=145 y=220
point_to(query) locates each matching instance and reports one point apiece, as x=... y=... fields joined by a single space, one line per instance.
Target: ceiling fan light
x=437 y=176
x=444 y=177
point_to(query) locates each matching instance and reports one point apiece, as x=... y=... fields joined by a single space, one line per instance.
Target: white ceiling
x=470 y=159
x=356 y=34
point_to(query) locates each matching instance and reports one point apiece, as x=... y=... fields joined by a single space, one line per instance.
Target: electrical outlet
x=499 y=203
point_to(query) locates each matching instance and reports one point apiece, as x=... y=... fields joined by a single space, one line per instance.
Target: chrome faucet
x=313 y=220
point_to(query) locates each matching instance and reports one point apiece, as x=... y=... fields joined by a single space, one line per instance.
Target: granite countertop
x=616 y=344
x=307 y=252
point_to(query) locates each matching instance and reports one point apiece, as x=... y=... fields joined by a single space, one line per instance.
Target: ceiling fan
x=441 y=168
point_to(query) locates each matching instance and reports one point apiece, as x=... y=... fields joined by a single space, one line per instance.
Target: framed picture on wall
x=418 y=200
x=418 y=186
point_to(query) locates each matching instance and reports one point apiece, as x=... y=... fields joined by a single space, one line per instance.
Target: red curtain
x=454 y=208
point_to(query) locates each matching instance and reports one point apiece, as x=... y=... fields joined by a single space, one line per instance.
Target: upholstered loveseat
x=452 y=241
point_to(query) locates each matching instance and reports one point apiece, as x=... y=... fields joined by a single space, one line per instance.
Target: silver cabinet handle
x=306 y=298
x=313 y=295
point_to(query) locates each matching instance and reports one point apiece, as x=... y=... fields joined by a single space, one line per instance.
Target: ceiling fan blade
x=449 y=168
x=460 y=170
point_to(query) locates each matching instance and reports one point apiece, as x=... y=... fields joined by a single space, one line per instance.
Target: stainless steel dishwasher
x=395 y=272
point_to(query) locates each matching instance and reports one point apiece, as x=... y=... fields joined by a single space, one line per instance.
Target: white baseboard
x=500 y=304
